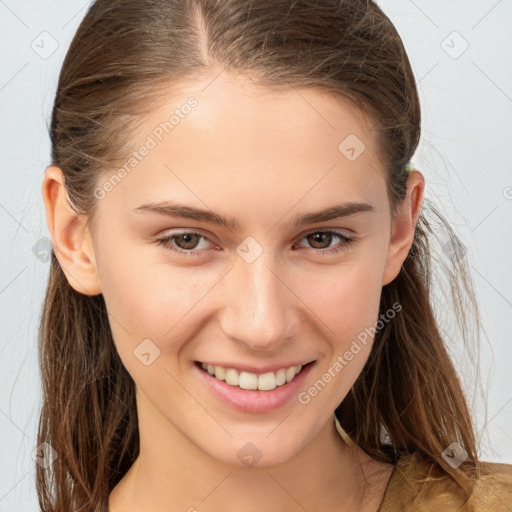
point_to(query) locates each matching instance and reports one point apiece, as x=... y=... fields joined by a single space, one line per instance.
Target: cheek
x=345 y=296
x=346 y=299
x=148 y=299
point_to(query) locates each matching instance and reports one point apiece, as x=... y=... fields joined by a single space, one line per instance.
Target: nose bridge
x=257 y=308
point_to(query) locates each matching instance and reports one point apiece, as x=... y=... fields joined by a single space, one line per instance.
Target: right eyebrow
x=172 y=209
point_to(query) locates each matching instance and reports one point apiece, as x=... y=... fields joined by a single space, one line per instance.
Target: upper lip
x=240 y=367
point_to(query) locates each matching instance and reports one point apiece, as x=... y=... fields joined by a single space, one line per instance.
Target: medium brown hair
x=123 y=56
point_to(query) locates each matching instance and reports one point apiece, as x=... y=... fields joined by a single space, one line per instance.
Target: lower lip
x=254 y=401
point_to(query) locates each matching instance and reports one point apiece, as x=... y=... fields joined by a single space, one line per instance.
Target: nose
x=258 y=308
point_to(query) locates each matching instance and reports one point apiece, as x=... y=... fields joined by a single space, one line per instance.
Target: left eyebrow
x=333 y=212
x=173 y=209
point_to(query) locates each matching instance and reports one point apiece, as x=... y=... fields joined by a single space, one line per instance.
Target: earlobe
x=404 y=226
x=71 y=237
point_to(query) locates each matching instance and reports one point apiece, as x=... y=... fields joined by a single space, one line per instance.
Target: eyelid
x=208 y=235
x=346 y=240
x=166 y=241
x=190 y=231
x=340 y=231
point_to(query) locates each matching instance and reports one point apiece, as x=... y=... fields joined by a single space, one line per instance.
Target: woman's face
x=224 y=243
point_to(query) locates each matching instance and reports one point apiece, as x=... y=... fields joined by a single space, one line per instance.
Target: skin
x=262 y=157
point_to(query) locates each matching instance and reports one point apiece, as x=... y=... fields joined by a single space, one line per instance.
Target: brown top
x=418 y=486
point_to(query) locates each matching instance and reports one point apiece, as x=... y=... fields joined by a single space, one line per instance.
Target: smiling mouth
x=252 y=381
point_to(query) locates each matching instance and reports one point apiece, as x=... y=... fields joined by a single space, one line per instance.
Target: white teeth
x=220 y=373
x=247 y=380
x=280 y=377
x=267 y=381
x=290 y=373
x=232 y=377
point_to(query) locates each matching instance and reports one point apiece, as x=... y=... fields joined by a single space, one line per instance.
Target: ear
x=71 y=237
x=404 y=226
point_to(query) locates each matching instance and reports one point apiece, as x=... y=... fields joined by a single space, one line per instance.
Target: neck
x=325 y=474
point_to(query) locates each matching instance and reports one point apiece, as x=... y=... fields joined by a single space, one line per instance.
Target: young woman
x=238 y=312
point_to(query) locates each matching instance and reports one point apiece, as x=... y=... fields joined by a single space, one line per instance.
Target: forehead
x=230 y=139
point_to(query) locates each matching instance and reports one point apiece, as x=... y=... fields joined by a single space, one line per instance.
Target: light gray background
x=465 y=155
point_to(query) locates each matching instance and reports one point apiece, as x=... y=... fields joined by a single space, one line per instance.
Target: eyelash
x=165 y=241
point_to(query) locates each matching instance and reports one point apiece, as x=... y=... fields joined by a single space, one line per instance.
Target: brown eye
x=186 y=243
x=325 y=241
x=320 y=239
x=187 y=240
